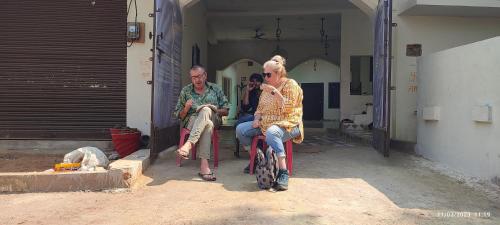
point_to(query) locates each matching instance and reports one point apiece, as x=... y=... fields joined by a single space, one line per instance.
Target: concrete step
x=122 y=173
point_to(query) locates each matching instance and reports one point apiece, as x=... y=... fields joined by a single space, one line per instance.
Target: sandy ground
x=14 y=161
x=332 y=184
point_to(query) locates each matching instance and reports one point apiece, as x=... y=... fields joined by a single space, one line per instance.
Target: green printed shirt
x=212 y=95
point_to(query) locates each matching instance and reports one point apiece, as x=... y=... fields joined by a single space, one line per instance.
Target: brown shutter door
x=62 y=68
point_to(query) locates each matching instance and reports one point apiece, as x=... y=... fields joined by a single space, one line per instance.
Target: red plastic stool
x=215 y=142
x=288 y=149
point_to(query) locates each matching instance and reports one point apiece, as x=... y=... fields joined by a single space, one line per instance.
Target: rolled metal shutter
x=62 y=68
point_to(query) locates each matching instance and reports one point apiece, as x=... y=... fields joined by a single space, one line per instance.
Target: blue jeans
x=275 y=136
x=244 y=118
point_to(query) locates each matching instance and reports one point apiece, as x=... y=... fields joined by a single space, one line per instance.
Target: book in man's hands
x=213 y=107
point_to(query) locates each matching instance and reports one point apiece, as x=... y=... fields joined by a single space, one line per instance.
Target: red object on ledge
x=116 y=130
x=125 y=141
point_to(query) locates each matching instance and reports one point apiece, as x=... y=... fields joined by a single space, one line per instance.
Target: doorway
x=313 y=101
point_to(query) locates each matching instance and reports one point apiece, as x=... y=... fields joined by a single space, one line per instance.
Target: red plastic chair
x=288 y=149
x=215 y=142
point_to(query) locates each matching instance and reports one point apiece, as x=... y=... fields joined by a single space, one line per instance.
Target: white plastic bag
x=75 y=156
x=89 y=157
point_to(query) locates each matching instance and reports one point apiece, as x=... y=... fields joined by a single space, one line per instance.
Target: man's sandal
x=207 y=177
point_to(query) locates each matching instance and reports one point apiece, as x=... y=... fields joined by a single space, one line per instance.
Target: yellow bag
x=66 y=166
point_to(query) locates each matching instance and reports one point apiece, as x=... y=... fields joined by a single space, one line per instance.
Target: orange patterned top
x=288 y=115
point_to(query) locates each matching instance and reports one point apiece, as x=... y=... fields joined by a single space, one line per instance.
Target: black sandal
x=208 y=176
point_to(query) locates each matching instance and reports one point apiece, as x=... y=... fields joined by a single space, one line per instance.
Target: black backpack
x=266 y=169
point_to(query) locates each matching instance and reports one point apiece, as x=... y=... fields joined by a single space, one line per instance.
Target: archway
x=320 y=80
x=233 y=78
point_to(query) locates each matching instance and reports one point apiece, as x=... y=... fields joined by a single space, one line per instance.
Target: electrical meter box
x=133 y=31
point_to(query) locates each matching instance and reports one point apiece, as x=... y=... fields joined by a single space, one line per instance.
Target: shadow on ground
x=331 y=169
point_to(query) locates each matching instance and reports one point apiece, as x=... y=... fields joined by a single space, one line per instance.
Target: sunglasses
x=268 y=75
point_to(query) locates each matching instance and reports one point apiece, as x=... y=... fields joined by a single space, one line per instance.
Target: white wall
x=139 y=67
x=230 y=73
x=357 y=40
x=435 y=34
x=194 y=31
x=139 y=71
x=225 y=53
x=303 y=73
x=456 y=80
x=235 y=72
x=325 y=72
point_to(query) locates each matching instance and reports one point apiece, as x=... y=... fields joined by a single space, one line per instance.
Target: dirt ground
x=27 y=162
x=333 y=183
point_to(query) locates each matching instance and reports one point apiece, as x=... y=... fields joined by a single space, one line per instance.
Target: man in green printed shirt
x=200 y=106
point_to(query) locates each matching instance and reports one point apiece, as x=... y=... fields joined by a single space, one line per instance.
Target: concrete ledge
x=122 y=173
x=476 y=8
x=131 y=167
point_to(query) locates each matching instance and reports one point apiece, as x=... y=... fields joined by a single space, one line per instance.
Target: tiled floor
x=327 y=134
x=313 y=138
x=326 y=138
x=364 y=135
x=330 y=136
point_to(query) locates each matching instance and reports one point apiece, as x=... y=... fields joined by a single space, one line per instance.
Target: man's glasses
x=268 y=75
